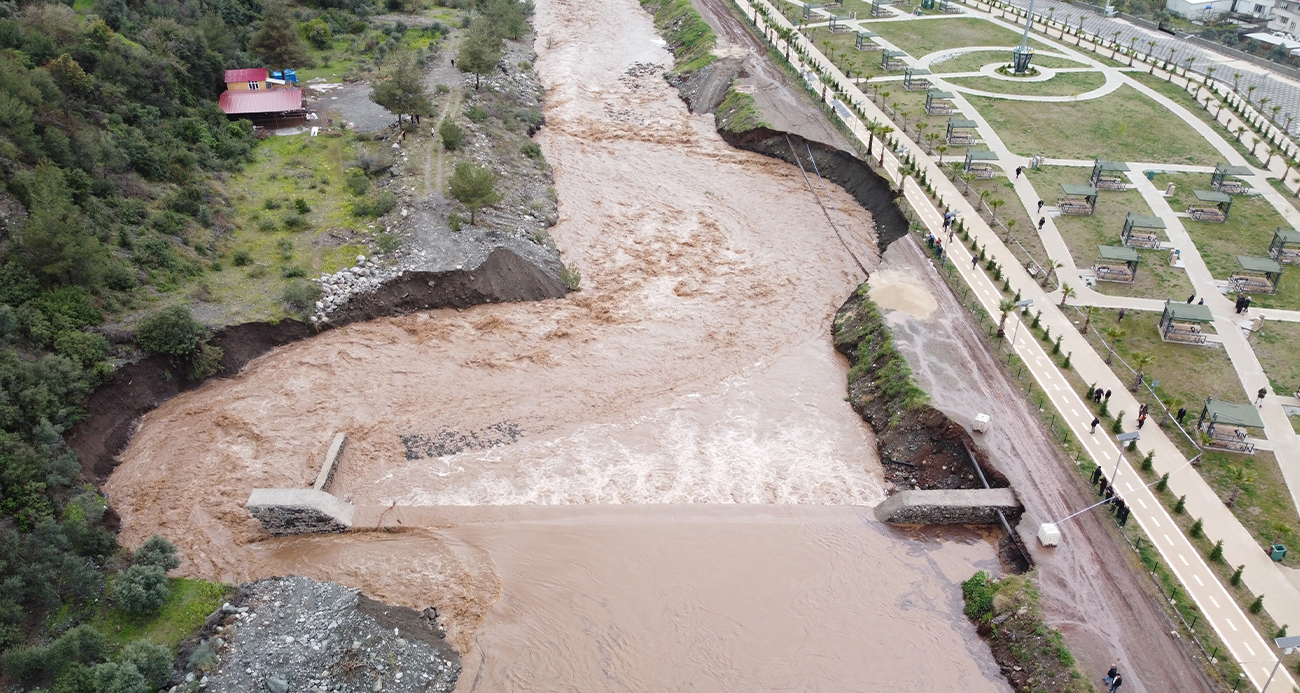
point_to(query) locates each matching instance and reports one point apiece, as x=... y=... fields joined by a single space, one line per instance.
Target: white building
x=1197 y=10
x=1286 y=15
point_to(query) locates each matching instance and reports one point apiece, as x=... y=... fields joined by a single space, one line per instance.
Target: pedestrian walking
x=1142 y=410
x=1259 y=396
x=1041 y=221
x=1190 y=299
x=1240 y=302
x=1107 y=396
x=1018 y=169
x=1110 y=675
x=1121 y=315
x=1095 y=421
x=1096 y=395
x=1040 y=205
x=1142 y=418
x=1114 y=685
x=1245 y=306
x=1182 y=411
x=1200 y=302
x=974 y=260
x=1096 y=472
x=929 y=241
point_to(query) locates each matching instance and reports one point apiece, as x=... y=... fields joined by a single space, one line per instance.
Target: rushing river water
x=695 y=367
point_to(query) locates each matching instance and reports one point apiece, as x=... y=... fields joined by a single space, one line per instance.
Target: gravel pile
x=336 y=289
x=296 y=634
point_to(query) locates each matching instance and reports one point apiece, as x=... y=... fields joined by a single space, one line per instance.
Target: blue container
x=276 y=74
x=291 y=76
x=1278 y=552
x=1151 y=175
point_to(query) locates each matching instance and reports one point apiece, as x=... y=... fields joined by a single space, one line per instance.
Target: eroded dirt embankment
x=137 y=388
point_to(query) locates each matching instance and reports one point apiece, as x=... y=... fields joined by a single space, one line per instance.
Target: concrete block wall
x=950 y=507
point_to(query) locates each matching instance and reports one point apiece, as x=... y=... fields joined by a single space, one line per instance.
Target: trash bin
x=1277 y=552
x=1151 y=175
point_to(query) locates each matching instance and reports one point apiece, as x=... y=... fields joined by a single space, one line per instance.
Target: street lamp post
x=1020 y=318
x=1021 y=55
x=1122 y=439
x=1286 y=645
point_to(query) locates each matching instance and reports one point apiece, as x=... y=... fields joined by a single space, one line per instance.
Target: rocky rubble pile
x=336 y=289
x=296 y=634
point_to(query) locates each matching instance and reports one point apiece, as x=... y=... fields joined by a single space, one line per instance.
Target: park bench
x=1289 y=256
x=1230 y=438
x=982 y=172
x=1251 y=284
x=1108 y=183
x=1233 y=187
x=1201 y=213
x=1109 y=272
x=1143 y=239
x=1187 y=333
x=1069 y=205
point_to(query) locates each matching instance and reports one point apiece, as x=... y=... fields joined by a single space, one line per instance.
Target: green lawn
x=1180 y=96
x=1187 y=373
x=922 y=37
x=1023 y=230
x=1275 y=346
x=1082 y=234
x=1063 y=84
x=1123 y=126
x=974 y=60
x=1264 y=507
x=190 y=602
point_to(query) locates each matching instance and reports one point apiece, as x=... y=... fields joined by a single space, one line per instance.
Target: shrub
x=153 y=662
x=442 y=89
x=1257 y=605
x=156 y=550
x=294 y=221
x=532 y=150
x=301 y=205
x=357 y=182
x=456 y=222
x=1117 y=426
x=978 y=592
x=141 y=589
x=1148 y=462
x=86 y=348
x=571 y=277
x=1197 y=530
x=273 y=203
x=119 y=277
x=1236 y=575
x=1216 y=553
x=476 y=114
x=372 y=160
x=1181 y=506
x=241 y=258
x=1163 y=484
x=292 y=272
x=204 y=362
x=453 y=135
x=300 y=296
x=82 y=644
x=172 y=331
x=376 y=205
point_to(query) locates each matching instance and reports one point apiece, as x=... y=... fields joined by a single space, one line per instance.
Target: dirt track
x=1090 y=593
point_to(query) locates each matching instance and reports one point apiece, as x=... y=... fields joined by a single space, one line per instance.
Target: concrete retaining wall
x=299 y=511
x=326 y=475
x=951 y=507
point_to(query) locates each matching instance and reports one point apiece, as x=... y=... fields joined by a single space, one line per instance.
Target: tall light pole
x=1021 y=55
x=1020 y=318
x=1286 y=645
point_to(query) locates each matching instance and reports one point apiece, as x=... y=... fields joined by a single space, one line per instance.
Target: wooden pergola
x=1118 y=263
x=1101 y=181
x=1140 y=231
x=810 y=10
x=892 y=60
x=1182 y=322
x=1210 y=205
x=974 y=163
x=914 y=78
x=1079 y=199
x=863 y=41
x=1219 y=179
x=1227 y=424
x=961 y=131
x=1258 y=275
x=1285 y=247
x=839 y=24
x=938 y=103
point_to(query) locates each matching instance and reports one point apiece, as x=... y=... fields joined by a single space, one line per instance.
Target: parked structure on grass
x=914 y=78
x=1103 y=175
x=1079 y=199
x=1118 y=263
x=1258 y=275
x=1285 y=247
x=1181 y=322
x=892 y=60
x=1210 y=205
x=939 y=103
x=1219 y=179
x=864 y=42
x=1140 y=231
x=961 y=130
x=1226 y=425
x=254 y=95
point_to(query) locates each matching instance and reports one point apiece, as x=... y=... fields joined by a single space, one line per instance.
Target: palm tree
x=1240 y=477
x=1006 y=306
x=1115 y=47
x=1172 y=405
x=1236 y=76
x=943 y=149
x=1241 y=130
x=1209 y=77
x=1141 y=360
x=1067 y=292
x=1116 y=335
x=1087 y=318
x=1250 y=92
x=1052 y=266
x=993 y=208
x=1151 y=50
x=1132 y=50
x=1010 y=224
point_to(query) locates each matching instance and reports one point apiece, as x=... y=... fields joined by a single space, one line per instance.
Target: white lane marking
x=1171 y=541
x=1183 y=559
x=1197 y=578
x=1142 y=503
x=1156 y=522
x=1129 y=487
x=1229 y=622
x=1214 y=602
x=1248 y=649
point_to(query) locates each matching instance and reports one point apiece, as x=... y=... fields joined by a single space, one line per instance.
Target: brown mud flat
x=113 y=409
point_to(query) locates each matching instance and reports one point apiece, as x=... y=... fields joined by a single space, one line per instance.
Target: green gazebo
x=938 y=102
x=863 y=41
x=1079 y=199
x=914 y=78
x=1210 y=205
x=1227 y=424
x=1140 y=231
x=1285 y=247
x=1219 y=179
x=1118 y=263
x=974 y=163
x=892 y=60
x=1258 y=275
x=1101 y=181
x=961 y=131
x=1182 y=322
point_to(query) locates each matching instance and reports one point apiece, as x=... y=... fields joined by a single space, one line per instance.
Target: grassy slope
x=186 y=607
x=687 y=34
x=1115 y=127
x=1063 y=84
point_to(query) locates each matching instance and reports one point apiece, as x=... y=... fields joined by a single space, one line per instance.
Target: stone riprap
x=947 y=507
x=285 y=511
x=296 y=634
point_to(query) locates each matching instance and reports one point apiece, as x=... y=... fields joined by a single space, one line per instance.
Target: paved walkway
x=1261 y=575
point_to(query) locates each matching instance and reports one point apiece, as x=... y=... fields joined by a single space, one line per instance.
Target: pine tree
x=401 y=89
x=277 y=42
x=480 y=50
x=475 y=187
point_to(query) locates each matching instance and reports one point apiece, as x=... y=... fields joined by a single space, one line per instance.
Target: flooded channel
x=673 y=439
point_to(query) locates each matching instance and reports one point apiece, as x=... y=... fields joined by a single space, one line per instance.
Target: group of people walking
x=1113 y=680
x=1107 y=490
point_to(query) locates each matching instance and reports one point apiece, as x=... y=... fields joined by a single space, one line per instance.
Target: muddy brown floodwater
x=695 y=367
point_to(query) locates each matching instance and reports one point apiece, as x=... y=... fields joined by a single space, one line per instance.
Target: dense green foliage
x=474 y=186
x=688 y=35
x=875 y=358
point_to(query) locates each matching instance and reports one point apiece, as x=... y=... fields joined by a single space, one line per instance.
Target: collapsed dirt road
x=1089 y=589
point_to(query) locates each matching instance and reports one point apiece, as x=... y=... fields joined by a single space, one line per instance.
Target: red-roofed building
x=246 y=79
